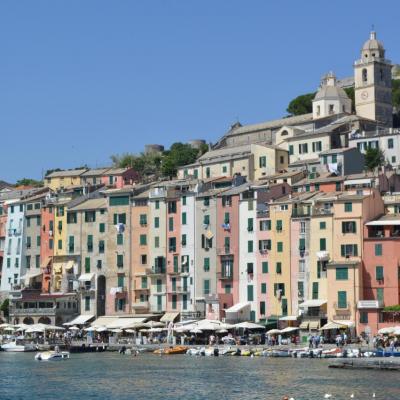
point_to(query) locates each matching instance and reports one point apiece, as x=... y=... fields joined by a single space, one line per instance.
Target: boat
x=332 y=353
x=18 y=346
x=172 y=350
x=193 y=352
x=52 y=355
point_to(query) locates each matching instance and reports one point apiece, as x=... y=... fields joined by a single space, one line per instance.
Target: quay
x=391 y=365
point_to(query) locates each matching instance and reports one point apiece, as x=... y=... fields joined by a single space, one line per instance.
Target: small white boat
x=18 y=346
x=52 y=355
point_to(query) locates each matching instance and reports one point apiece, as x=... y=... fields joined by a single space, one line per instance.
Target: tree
x=179 y=154
x=374 y=158
x=5 y=307
x=29 y=182
x=301 y=104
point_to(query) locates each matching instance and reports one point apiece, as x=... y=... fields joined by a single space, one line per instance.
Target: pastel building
x=119 y=177
x=64 y=179
x=47 y=241
x=380 y=275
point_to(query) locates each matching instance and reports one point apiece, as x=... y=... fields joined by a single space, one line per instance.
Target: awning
x=238 y=307
x=104 y=321
x=358 y=181
x=123 y=323
x=333 y=325
x=86 y=277
x=69 y=266
x=288 y=318
x=304 y=325
x=383 y=222
x=313 y=303
x=81 y=320
x=314 y=325
x=46 y=262
x=27 y=277
x=169 y=317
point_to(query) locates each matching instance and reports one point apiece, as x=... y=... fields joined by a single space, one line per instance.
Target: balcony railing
x=156 y=271
x=301 y=212
x=341 y=306
x=224 y=250
x=322 y=211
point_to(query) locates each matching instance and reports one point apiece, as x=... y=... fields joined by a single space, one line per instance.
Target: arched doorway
x=101 y=295
x=28 y=321
x=45 y=320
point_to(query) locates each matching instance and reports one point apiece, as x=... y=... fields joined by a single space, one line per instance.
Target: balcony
x=371 y=304
x=14 y=232
x=225 y=274
x=34 y=311
x=87 y=289
x=263 y=214
x=141 y=305
x=156 y=271
x=173 y=270
x=221 y=251
x=322 y=211
x=301 y=212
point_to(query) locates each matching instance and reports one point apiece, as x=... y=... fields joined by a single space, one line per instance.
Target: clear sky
x=83 y=79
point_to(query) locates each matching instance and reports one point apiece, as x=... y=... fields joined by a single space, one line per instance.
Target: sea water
x=114 y=376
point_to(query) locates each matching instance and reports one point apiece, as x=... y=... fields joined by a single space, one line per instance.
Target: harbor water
x=113 y=376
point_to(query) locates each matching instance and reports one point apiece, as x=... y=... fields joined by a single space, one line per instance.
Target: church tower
x=373 y=83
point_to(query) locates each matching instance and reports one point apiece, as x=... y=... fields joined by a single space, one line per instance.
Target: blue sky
x=83 y=79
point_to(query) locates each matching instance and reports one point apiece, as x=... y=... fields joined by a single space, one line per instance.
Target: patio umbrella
x=116 y=330
x=35 y=329
x=196 y=330
x=386 y=331
x=144 y=330
x=153 y=324
x=155 y=330
x=9 y=329
x=73 y=328
x=90 y=329
x=222 y=331
x=249 y=325
x=273 y=332
x=289 y=329
x=226 y=326
x=130 y=331
x=207 y=326
x=5 y=325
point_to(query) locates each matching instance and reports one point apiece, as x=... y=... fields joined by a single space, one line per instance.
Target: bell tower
x=373 y=83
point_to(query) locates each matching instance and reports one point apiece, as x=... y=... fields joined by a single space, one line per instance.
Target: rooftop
x=67 y=173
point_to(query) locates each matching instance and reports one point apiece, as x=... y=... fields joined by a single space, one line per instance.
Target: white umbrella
x=116 y=330
x=196 y=330
x=249 y=325
x=143 y=330
x=289 y=329
x=9 y=329
x=207 y=326
x=36 y=329
x=186 y=328
x=5 y=325
x=273 y=332
x=226 y=326
x=222 y=331
x=155 y=330
x=101 y=329
x=73 y=328
x=130 y=331
x=386 y=331
x=153 y=324
x=90 y=329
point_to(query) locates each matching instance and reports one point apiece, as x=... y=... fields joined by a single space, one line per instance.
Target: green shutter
x=379 y=273
x=315 y=290
x=87 y=264
x=206 y=286
x=348 y=207
x=262 y=307
x=378 y=249
x=322 y=225
x=263 y=288
x=206 y=220
x=279 y=247
x=302 y=244
x=265 y=267
x=342 y=299
x=342 y=273
x=278 y=267
x=120 y=238
x=102 y=227
x=279 y=225
x=171 y=224
x=250 y=246
x=143 y=240
x=119 y=201
x=250 y=293
x=322 y=244
x=250 y=226
x=176 y=266
x=206 y=264
x=156 y=222
x=183 y=218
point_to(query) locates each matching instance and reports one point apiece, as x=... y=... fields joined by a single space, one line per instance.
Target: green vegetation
x=395 y=308
x=29 y=182
x=160 y=164
x=374 y=158
x=303 y=104
x=5 y=307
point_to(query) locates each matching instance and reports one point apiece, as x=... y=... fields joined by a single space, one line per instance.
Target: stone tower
x=373 y=83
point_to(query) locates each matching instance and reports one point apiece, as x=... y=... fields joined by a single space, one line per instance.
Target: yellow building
x=63 y=179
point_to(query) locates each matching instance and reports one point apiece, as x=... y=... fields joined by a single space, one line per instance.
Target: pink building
x=3 y=224
x=381 y=283
x=47 y=244
x=119 y=177
x=227 y=250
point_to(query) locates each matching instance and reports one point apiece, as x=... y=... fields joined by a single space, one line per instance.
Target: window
x=250 y=293
x=90 y=216
x=363 y=317
x=279 y=289
x=28 y=242
x=264 y=267
x=279 y=247
x=265 y=225
x=342 y=299
x=59 y=244
x=143 y=240
x=264 y=245
x=393 y=159
x=379 y=294
x=101 y=246
x=120 y=260
x=102 y=227
x=279 y=225
x=172 y=245
x=183 y=240
x=378 y=249
x=316 y=187
x=262 y=307
x=302 y=266
x=291 y=149
x=334 y=158
x=342 y=273
x=250 y=226
x=322 y=244
x=228 y=288
x=119 y=201
x=157 y=204
x=224 y=169
x=120 y=239
x=156 y=222
x=119 y=219
x=349 y=227
x=71 y=244
x=390 y=143
x=348 y=207
x=206 y=264
x=262 y=161
x=156 y=242
x=302 y=244
x=206 y=220
x=171 y=224
x=28 y=261
x=144 y=282
x=87 y=265
x=90 y=243
x=338 y=187
x=278 y=267
x=71 y=217
x=174 y=301
x=121 y=279
x=379 y=273
x=322 y=225
x=227 y=243
x=143 y=259
x=303 y=148
x=176 y=265
x=263 y=288
x=249 y=246
x=250 y=268
x=206 y=287
x=143 y=220
x=350 y=250
x=87 y=303
x=208 y=172
x=315 y=290
x=183 y=218
x=227 y=218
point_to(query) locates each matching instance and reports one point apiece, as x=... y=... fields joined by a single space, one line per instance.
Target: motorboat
x=172 y=350
x=52 y=355
x=18 y=346
x=193 y=352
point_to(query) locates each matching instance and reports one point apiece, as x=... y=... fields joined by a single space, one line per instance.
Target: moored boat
x=52 y=355
x=18 y=346
x=172 y=350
